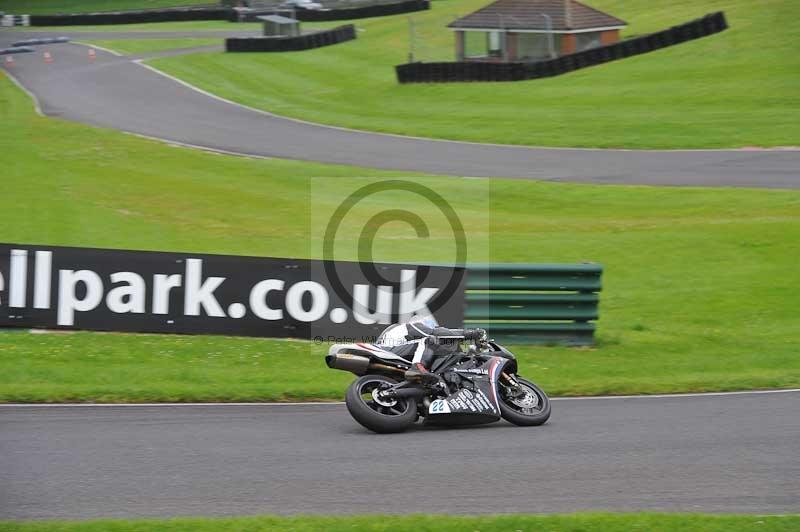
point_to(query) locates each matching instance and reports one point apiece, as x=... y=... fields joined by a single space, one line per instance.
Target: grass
x=735 y=89
x=699 y=291
x=579 y=522
x=141 y=46
x=49 y=7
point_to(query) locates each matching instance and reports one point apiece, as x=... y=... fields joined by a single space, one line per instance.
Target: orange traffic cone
x=92 y=54
x=10 y=61
x=48 y=58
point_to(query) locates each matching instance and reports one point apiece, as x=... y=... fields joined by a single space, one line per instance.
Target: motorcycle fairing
x=475 y=401
x=367 y=350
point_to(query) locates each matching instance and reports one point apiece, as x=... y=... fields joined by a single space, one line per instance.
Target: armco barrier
x=291 y=44
x=189 y=293
x=479 y=71
x=534 y=303
x=8 y=21
x=131 y=17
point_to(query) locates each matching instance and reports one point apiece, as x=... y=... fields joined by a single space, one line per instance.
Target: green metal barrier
x=534 y=303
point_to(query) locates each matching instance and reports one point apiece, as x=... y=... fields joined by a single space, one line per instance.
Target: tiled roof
x=527 y=14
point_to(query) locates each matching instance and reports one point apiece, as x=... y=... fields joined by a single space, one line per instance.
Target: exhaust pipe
x=408 y=393
x=347 y=362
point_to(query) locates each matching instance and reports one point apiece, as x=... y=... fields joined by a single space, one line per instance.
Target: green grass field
x=699 y=291
x=581 y=522
x=49 y=7
x=738 y=88
x=141 y=46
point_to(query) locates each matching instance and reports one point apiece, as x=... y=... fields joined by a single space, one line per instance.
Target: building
x=532 y=30
x=280 y=26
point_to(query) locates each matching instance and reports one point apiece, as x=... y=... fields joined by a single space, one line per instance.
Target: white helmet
x=395 y=335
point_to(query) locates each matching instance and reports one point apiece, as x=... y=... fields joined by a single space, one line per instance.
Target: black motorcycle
x=474 y=383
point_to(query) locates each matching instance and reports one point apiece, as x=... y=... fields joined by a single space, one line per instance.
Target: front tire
x=381 y=417
x=529 y=411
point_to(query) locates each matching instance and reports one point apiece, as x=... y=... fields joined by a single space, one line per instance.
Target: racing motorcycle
x=474 y=382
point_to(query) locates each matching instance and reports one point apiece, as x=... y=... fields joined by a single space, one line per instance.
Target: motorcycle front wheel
x=528 y=410
x=376 y=414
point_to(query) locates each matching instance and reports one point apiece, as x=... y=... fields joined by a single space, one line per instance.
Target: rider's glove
x=475 y=334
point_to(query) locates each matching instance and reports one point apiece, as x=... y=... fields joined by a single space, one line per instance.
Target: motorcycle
x=475 y=383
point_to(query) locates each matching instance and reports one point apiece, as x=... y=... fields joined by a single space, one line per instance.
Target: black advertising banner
x=190 y=293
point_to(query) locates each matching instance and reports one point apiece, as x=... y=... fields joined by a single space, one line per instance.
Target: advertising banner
x=191 y=293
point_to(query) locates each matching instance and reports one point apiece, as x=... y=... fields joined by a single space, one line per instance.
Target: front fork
x=511 y=385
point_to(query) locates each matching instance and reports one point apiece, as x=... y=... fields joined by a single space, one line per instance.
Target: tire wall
x=221 y=13
x=131 y=17
x=479 y=71
x=292 y=44
x=379 y=10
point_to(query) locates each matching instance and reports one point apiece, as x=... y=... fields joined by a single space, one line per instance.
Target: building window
x=587 y=41
x=474 y=44
x=483 y=44
x=536 y=46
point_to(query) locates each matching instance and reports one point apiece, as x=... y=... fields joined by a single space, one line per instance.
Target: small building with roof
x=532 y=30
x=280 y=26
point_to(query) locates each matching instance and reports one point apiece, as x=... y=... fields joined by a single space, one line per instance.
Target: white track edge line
x=337 y=403
x=220 y=151
x=140 y=62
x=31 y=95
x=103 y=48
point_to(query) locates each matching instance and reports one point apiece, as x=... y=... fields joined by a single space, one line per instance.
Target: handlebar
x=467 y=334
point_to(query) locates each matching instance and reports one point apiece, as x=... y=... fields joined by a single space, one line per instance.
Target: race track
x=117 y=92
x=714 y=453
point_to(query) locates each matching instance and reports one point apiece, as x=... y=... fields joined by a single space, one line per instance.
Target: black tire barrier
x=16 y=50
x=131 y=17
x=36 y=42
x=222 y=13
x=352 y=13
x=514 y=71
x=292 y=44
x=327 y=15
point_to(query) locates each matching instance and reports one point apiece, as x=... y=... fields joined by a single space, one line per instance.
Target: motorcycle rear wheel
x=529 y=411
x=383 y=417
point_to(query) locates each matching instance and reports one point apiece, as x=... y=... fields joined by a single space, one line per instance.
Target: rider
x=428 y=341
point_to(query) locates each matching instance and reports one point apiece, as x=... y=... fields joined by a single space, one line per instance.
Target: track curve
x=715 y=453
x=116 y=92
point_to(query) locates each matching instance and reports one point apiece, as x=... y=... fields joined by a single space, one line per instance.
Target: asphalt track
x=117 y=92
x=715 y=453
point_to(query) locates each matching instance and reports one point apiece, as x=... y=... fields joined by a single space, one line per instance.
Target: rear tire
x=393 y=416
x=525 y=412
